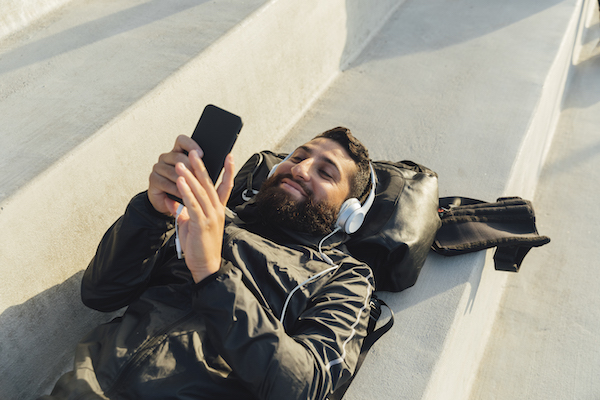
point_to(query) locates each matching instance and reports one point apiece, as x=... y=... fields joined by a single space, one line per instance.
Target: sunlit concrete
x=88 y=101
x=473 y=92
x=18 y=14
x=544 y=344
x=89 y=98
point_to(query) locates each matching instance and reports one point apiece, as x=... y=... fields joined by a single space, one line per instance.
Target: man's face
x=320 y=169
x=308 y=189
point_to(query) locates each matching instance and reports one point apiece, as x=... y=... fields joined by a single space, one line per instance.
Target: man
x=255 y=309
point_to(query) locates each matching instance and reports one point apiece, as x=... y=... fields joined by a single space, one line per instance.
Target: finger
x=165 y=168
x=159 y=183
x=185 y=144
x=199 y=184
x=201 y=173
x=172 y=158
x=172 y=206
x=226 y=186
x=191 y=200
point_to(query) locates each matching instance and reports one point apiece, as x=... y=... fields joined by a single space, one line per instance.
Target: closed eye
x=325 y=174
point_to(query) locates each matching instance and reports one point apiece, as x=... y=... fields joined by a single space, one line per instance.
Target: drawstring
x=312 y=278
x=177 y=242
x=323 y=255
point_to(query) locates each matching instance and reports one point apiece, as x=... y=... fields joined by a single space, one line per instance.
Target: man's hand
x=163 y=177
x=202 y=221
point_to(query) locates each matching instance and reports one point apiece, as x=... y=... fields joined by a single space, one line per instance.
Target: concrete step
x=544 y=343
x=474 y=92
x=470 y=90
x=91 y=95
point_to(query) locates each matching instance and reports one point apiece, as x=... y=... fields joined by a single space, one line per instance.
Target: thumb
x=226 y=185
x=172 y=206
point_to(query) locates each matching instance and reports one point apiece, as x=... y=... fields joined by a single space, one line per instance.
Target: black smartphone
x=216 y=133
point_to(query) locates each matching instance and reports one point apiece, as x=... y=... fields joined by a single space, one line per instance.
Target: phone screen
x=216 y=133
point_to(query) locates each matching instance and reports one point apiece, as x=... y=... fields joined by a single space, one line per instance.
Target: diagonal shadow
x=427 y=26
x=38 y=334
x=70 y=84
x=92 y=32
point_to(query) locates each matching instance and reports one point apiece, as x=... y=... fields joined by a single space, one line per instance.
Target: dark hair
x=360 y=185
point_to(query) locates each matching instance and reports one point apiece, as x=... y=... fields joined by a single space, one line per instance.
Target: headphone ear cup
x=350 y=217
x=352 y=214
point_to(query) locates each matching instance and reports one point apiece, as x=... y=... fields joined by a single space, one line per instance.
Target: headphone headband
x=272 y=171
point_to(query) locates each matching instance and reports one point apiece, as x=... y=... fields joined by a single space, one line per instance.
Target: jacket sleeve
x=124 y=260
x=306 y=360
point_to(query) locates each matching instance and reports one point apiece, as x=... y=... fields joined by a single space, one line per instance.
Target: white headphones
x=352 y=213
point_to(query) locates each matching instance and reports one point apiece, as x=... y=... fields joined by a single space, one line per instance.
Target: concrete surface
x=545 y=343
x=92 y=95
x=18 y=14
x=471 y=90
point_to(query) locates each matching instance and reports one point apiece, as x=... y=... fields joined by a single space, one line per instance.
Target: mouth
x=294 y=188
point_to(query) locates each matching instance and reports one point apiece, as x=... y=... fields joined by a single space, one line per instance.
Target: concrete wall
x=68 y=173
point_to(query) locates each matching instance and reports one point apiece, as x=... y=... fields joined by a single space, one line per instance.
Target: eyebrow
x=326 y=159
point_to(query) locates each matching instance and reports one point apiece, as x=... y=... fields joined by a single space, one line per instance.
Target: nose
x=301 y=170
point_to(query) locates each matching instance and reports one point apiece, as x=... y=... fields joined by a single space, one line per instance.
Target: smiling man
x=265 y=304
x=307 y=189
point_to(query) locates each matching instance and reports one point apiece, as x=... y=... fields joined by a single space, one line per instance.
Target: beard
x=276 y=206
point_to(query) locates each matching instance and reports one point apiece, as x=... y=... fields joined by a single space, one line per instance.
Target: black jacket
x=221 y=338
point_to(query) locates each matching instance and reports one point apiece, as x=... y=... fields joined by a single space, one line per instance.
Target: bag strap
x=249 y=193
x=373 y=335
x=470 y=225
